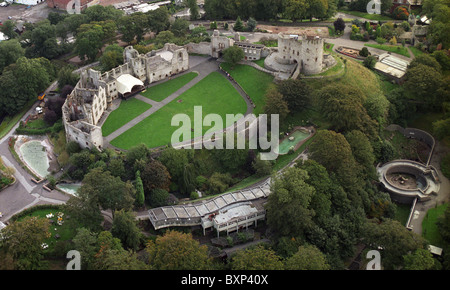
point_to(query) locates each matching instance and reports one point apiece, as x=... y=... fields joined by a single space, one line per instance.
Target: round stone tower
x=312 y=55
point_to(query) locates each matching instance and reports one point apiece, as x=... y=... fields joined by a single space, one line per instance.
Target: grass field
x=214 y=93
x=254 y=82
x=402 y=213
x=127 y=111
x=415 y=51
x=161 y=91
x=430 y=229
x=64 y=231
x=391 y=48
x=366 y=15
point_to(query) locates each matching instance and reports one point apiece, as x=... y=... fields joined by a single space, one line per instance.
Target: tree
x=364 y=51
x=50 y=117
x=394 y=239
x=423 y=83
x=256 y=258
x=193 y=8
x=179 y=27
x=175 y=161
x=158 y=19
x=233 y=55
x=140 y=197
x=10 y=52
x=238 y=25
x=427 y=60
x=177 y=251
x=85 y=242
x=133 y=26
x=343 y=107
x=158 y=197
x=362 y=151
x=67 y=76
x=84 y=212
x=251 y=24
x=89 y=41
x=421 y=259
x=296 y=93
x=288 y=211
x=262 y=167
x=107 y=191
x=21 y=243
x=42 y=41
x=339 y=24
x=112 y=57
x=316 y=9
x=333 y=151
x=155 y=175
x=295 y=9
x=164 y=37
x=125 y=228
x=102 y=13
x=275 y=104
x=8 y=28
x=23 y=81
x=308 y=257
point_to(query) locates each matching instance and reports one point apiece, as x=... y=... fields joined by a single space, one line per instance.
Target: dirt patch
x=309 y=31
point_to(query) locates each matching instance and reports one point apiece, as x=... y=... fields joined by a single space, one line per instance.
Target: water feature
x=70 y=188
x=292 y=141
x=35 y=156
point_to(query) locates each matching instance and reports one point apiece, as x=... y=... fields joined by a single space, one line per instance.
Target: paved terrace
x=191 y=214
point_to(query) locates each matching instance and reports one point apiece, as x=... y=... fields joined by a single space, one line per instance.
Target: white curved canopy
x=126 y=82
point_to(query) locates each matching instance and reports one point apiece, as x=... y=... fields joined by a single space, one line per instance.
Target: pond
x=292 y=140
x=34 y=154
x=70 y=188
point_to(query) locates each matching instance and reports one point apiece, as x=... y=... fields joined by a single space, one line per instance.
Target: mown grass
x=214 y=93
x=367 y=15
x=391 y=48
x=161 y=91
x=254 y=82
x=64 y=231
x=127 y=111
x=430 y=230
x=415 y=51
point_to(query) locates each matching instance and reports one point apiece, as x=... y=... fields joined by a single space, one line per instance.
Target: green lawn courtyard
x=161 y=91
x=254 y=82
x=127 y=111
x=214 y=93
x=430 y=230
x=391 y=48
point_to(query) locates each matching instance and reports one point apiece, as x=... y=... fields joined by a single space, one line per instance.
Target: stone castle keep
x=95 y=92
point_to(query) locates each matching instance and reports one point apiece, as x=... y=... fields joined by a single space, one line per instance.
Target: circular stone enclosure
x=406 y=177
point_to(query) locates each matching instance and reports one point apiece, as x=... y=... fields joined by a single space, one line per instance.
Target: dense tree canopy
x=177 y=251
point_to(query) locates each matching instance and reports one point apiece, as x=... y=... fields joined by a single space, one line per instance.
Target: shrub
x=401 y=13
x=339 y=24
x=380 y=40
x=370 y=62
x=364 y=52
